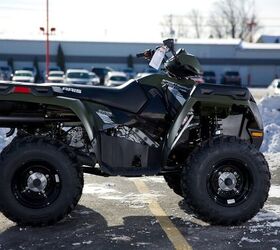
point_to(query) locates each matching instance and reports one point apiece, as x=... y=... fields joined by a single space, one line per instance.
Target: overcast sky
x=117 y=20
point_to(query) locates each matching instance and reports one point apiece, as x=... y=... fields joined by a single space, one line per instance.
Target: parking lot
x=129 y=213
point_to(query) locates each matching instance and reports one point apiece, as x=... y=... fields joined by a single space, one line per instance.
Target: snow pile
x=3 y=140
x=270 y=111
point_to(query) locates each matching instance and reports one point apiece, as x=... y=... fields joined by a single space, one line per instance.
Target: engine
x=132 y=134
x=75 y=137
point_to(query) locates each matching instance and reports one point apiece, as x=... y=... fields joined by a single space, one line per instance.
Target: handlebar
x=147 y=54
x=139 y=55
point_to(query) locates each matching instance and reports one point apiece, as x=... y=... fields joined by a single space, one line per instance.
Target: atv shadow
x=87 y=229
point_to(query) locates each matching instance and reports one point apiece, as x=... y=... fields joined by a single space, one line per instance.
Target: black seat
x=129 y=96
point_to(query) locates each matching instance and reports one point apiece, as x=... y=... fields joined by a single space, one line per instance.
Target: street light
x=47 y=32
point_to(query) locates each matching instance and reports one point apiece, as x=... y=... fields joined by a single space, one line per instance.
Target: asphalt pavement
x=143 y=213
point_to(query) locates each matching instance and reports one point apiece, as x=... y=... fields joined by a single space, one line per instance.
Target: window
x=80 y=75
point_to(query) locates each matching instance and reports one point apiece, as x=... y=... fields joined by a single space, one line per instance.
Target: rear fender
x=213 y=96
x=73 y=104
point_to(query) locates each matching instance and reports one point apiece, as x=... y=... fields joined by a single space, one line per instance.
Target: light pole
x=47 y=32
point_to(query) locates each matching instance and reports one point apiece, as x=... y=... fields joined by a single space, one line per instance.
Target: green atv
x=202 y=138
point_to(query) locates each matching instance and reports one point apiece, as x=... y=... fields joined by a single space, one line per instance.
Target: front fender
x=212 y=96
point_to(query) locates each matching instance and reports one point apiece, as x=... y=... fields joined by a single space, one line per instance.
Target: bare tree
x=181 y=26
x=234 y=18
x=173 y=26
x=168 y=26
x=216 y=26
x=196 y=20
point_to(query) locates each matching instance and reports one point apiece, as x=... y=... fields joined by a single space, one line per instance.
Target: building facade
x=258 y=64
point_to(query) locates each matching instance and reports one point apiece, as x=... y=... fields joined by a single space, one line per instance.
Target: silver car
x=56 y=77
x=77 y=76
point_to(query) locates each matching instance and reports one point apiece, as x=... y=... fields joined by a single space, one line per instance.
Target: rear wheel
x=225 y=181
x=40 y=179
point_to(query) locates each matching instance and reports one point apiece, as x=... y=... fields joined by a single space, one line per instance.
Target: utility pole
x=47 y=42
x=47 y=32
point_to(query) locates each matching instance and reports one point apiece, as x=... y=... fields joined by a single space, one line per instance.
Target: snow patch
x=121 y=238
x=273 y=160
x=250 y=240
x=264 y=216
x=87 y=242
x=76 y=244
x=274 y=191
x=270 y=111
x=4 y=141
x=151 y=179
x=274 y=224
x=99 y=189
x=156 y=179
x=273 y=208
x=133 y=200
x=82 y=243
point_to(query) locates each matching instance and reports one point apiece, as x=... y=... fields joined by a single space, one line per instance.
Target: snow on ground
x=270 y=111
x=3 y=140
x=274 y=191
x=106 y=191
x=273 y=160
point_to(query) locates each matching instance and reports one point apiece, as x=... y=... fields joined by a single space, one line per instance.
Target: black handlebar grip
x=140 y=55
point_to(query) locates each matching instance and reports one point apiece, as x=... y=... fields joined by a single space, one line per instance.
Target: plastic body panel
x=73 y=104
x=129 y=97
x=216 y=95
x=151 y=118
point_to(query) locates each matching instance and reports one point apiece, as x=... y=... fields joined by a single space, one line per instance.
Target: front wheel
x=225 y=181
x=40 y=181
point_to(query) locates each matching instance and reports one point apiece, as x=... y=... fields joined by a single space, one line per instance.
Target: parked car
x=30 y=69
x=231 y=77
x=6 y=73
x=115 y=78
x=274 y=87
x=101 y=72
x=34 y=71
x=56 y=77
x=44 y=73
x=209 y=77
x=129 y=72
x=94 y=78
x=23 y=76
x=77 y=76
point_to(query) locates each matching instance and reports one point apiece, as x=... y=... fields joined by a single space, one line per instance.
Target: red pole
x=47 y=42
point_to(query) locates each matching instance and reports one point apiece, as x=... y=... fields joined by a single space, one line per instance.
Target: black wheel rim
x=229 y=183
x=36 y=185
